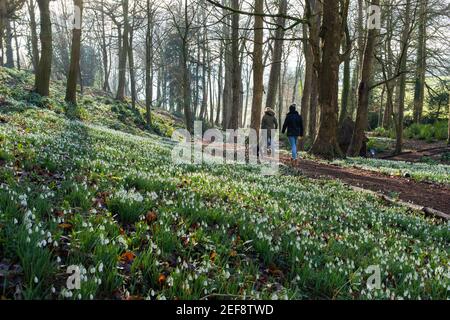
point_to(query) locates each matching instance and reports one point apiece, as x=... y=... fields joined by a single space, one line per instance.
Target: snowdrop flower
x=36 y=280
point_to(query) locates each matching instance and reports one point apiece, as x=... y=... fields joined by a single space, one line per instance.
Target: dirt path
x=419 y=193
x=417 y=156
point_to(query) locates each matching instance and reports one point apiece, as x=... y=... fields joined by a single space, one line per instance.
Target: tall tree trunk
x=106 y=70
x=3 y=15
x=402 y=81
x=123 y=54
x=309 y=70
x=16 y=42
x=360 y=52
x=298 y=75
x=132 y=71
x=362 y=114
x=448 y=141
x=74 y=69
x=236 y=71
x=34 y=37
x=205 y=71
x=258 y=68
x=186 y=83
x=211 y=90
x=228 y=65
x=387 y=117
x=326 y=144
x=219 y=84
x=281 y=92
x=9 y=45
x=315 y=8
x=149 y=65
x=345 y=98
x=419 y=91
x=275 y=71
x=42 y=79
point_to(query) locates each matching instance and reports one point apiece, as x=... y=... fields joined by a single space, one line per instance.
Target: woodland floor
x=420 y=193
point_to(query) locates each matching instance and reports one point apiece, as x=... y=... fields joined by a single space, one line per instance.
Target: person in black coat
x=294 y=127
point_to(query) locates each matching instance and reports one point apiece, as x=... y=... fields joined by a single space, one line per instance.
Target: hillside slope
x=84 y=193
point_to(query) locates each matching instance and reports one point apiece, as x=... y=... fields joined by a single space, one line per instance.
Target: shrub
x=428 y=132
x=413 y=132
x=380 y=132
x=441 y=131
x=378 y=145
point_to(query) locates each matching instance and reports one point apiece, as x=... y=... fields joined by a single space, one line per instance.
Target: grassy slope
x=77 y=193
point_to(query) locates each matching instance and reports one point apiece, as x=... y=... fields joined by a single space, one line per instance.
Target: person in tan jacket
x=269 y=123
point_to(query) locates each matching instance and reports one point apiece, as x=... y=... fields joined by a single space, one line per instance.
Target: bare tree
x=74 y=69
x=42 y=79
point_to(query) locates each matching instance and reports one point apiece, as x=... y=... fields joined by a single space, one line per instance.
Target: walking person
x=269 y=122
x=294 y=127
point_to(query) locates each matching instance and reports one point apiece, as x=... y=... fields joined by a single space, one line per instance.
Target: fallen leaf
x=127 y=257
x=65 y=226
x=161 y=279
x=151 y=217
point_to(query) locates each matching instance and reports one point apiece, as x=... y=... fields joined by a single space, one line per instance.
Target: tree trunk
x=275 y=71
x=42 y=79
x=104 y=49
x=236 y=70
x=74 y=69
x=281 y=91
x=132 y=71
x=345 y=98
x=309 y=70
x=9 y=45
x=362 y=114
x=219 y=84
x=419 y=91
x=387 y=118
x=298 y=75
x=227 y=90
x=16 y=42
x=258 y=68
x=448 y=141
x=3 y=15
x=326 y=144
x=186 y=83
x=360 y=52
x=123 y=55
x=315 y=8
x=402 y=81
x=149 y=65
x=205 y=70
